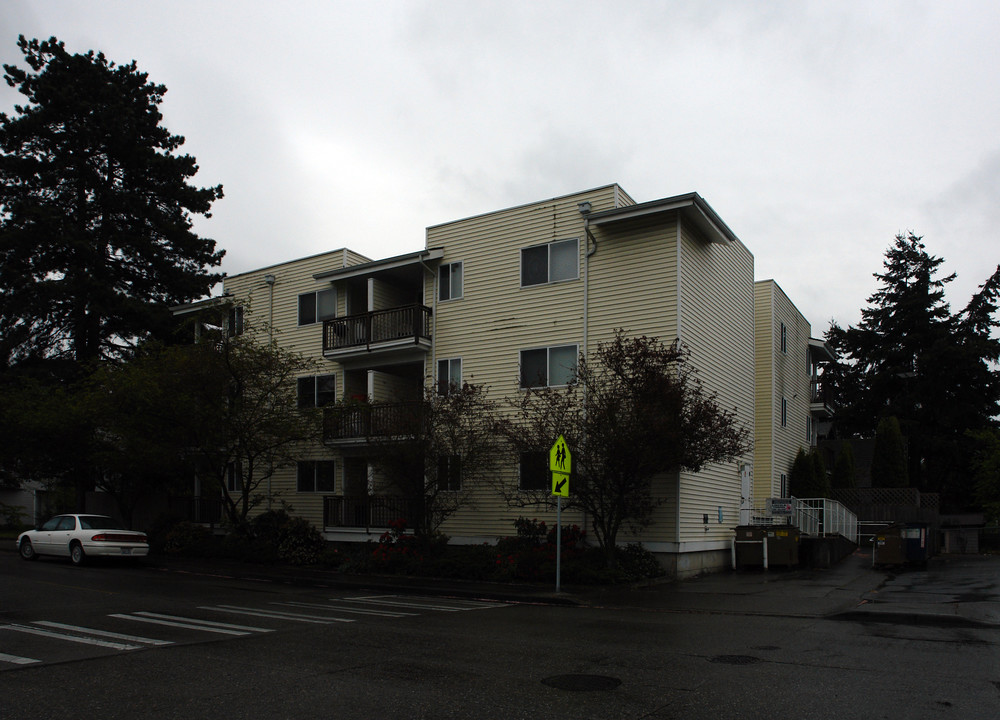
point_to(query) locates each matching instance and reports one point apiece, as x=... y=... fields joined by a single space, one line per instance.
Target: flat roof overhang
x=821 y=351
x=691 y=206
x=376 y=266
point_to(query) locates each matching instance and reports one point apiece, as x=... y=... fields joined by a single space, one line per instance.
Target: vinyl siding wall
x=292 y=279
x=496 y=318
x=716 y=323
x=788 y=379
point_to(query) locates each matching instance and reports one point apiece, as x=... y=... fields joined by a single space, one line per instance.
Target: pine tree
x=844 y=473
x=889 y=457
x=96 y=237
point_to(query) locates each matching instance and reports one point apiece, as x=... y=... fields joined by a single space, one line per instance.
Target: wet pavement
x=950 y=590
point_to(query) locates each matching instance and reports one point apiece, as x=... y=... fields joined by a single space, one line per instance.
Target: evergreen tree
x=889 y=457
x=802 y=476
x=844 y=473
x=96 y=237
x=911 y=358
x=819 y=473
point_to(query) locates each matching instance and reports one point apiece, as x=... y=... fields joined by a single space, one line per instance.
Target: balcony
x=821 y=403
x=367 y=511
x=394 y=332
x=357 y=421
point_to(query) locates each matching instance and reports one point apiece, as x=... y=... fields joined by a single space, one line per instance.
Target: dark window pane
x=534 y=470
x=326 y=390
x=326 y=304
x=307 y=309
x=307 y=392
x=564 y=260
x=535 y=265
x=326 y=475
x=534 y=368
x=305 y=472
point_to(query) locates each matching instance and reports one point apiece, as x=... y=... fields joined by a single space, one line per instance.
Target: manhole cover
x=582 y=683
x=735 y=659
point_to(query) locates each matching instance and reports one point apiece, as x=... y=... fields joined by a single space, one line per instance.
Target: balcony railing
x=378 y=327
x=367 y=511
x=363 y=420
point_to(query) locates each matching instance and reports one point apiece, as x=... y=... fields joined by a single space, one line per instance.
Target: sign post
x=560 y=464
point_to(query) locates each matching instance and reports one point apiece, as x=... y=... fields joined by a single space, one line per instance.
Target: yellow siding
x=780 y=375
x=716 y=323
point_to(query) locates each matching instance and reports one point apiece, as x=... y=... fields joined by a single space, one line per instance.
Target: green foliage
x=914 y=359
x=802 y=476
x=889 y=467
x=96 y=239
x=844 y=473
x=986 y=466
x=12 y=517
x=637 y=409
x=189 y=540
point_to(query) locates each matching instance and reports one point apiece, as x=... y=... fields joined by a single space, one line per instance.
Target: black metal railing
x=367 y=511
x=196 y=509
x=412 y=322
x=363 y=420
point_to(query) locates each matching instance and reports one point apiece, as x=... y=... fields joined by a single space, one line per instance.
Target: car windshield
x=99 y=522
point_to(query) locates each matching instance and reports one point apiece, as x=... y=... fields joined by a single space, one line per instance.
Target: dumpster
x=915 y=543
x=749 y=544
x=783 y=545
x=889 y=546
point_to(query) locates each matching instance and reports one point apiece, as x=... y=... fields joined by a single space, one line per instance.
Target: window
x=317 y=391
x=784 y=412
x=316 y=475
x=317 y=306
x=784 y=338
x=783 y=489
x=234 y=323
x=449 y=477
x=234 y=477
x=548 y=367
x=809 y=430
x=550 y=263
x=449 y=376
x=450 y=281
x=533 y=471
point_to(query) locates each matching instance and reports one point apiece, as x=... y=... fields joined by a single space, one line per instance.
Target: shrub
x=188 y=539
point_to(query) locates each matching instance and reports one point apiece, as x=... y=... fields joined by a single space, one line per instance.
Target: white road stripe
x=277 y=615
x=169 y=623
x=211 y=623
x=70 y=638
x=353 y=611
x=419 y=603
x=102 y=633
x=17 y=660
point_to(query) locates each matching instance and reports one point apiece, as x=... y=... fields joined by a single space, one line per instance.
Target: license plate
x=126 y=551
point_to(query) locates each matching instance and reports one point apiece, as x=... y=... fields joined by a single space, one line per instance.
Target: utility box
x=915 y=543
x=782 y=545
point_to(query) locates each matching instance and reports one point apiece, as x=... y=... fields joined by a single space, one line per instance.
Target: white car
x=81 y=536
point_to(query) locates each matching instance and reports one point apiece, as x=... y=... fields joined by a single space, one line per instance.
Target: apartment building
x=790 y=407
x=504 y=300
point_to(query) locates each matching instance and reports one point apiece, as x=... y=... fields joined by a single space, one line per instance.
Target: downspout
x=588 y=253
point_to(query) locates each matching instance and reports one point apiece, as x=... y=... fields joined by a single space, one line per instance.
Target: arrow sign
x=560 y=484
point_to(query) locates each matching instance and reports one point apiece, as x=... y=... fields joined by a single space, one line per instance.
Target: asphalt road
x=192 y=643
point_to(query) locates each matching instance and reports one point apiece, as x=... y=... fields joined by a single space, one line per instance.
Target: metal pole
x=558 y=542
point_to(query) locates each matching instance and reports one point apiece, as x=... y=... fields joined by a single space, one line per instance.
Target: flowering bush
x=397 y=550
x=531 y=554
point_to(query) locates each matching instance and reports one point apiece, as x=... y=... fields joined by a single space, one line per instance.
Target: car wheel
x=27 y=550
x=76 y=553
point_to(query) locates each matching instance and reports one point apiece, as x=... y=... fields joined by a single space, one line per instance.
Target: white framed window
x=316 y=476
x=449 y=376
x=450 y=281
x=234 y=322
x=234 y=477
x=784 y=338
x=449 y=477
x=549 y=263
x=317 y=390
x=783 y=486
x=317 y=306
x=548 y=366
x=533 y=471
x=784 y=412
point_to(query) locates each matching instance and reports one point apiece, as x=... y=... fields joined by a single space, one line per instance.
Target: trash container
x=750 y=546
x=915 y=543
x=889 y=546
x=783 y=545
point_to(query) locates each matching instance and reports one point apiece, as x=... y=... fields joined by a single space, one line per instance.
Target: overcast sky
x=817 y=131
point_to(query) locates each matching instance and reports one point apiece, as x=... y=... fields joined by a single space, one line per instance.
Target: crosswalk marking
x=102 y=633
x=351 y=610
x=187 y=623
x=297 y=617
x=70 y=638
x=421 y=603
x=17 y=660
